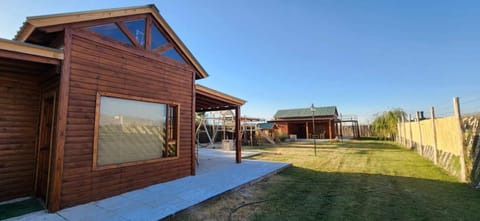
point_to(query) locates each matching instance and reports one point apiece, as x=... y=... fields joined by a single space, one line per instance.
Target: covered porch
x=29 y=84
x=325 y=128
x=207 y=99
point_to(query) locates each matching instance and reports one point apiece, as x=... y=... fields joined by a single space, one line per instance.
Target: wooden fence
x=450 y=142
x=350 y=131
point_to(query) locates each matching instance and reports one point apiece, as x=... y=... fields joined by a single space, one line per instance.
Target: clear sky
x=363 y=56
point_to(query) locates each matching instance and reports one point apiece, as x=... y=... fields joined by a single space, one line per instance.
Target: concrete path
x=216 y=174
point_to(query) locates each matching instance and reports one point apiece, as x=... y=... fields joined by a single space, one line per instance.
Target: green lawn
x=362 y=180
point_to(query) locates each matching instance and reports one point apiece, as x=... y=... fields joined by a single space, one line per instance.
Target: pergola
x=207 y=99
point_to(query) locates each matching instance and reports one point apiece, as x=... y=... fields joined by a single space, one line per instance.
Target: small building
x=299 y=122
x=98 y=103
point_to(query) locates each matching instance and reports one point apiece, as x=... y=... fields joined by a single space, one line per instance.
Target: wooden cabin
x=299 y=122
x=98 y=103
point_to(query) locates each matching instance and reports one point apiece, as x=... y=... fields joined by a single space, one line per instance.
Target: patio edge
x=287 y=165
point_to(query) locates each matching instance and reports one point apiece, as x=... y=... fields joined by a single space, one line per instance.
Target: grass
x=355 y=180
x=19 y=208
x=367 y=180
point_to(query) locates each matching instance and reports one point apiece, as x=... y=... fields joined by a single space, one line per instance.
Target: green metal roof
x=265 y=126
x=306 y=112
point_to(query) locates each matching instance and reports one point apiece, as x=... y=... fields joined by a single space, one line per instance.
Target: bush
x=282 y=137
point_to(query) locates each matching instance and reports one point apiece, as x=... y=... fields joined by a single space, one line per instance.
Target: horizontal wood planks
x=99 y=67
x=19 y=102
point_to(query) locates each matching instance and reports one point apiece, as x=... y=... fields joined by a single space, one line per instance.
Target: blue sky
x=364 y=57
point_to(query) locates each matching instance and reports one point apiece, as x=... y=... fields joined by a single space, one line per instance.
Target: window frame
x=140 y=162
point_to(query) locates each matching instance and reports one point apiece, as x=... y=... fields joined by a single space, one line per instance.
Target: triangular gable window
x=134 y=33
x=173 y=54
x=137 y=28
x=157 y=38
x=112 y=31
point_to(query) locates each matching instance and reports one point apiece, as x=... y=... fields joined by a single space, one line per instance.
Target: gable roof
x=306 y=112
x=36 y=22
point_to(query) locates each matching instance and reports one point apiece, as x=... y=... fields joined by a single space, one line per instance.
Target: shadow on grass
x=372 y=145
x=304 y=194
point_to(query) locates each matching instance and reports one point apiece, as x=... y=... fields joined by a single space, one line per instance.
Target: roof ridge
x=308 y=108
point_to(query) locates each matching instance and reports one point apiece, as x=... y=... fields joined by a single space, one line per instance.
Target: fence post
x=420 y=141
x=397 y=138
x=411 y=136
x=404 y=131
x=456 y=107
x=435 y=151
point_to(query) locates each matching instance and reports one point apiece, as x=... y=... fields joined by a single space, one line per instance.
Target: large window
x=132 y=131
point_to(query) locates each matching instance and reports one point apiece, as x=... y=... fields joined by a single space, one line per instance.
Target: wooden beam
x=238 y=145
x=163 y=48
x=28 y=57
x=148 y=33
x=61 y=128
x=129 y=35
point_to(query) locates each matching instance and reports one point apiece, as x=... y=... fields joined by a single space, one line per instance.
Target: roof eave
x=31 y=49
x=235 y=100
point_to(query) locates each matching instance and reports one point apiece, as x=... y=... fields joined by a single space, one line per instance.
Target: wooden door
x=45 y=143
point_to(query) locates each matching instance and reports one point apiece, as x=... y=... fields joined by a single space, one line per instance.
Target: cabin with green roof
x=305 y=123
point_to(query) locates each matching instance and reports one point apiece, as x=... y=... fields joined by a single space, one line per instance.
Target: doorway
x=45 y=145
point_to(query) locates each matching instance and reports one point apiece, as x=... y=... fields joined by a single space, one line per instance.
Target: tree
x=385 y=124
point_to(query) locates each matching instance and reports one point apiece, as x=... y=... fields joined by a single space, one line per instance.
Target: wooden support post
x=308 y=131
x=456 y=107
x=420 y=141
x=358 y=129
x=238 y=144
x=341 y=130
x=398 y=137
x=404 y=131
x=251 y=135
x=434 y=128
x=410 y=143
x=194 y=137
x=54 y=198
x=330 y=129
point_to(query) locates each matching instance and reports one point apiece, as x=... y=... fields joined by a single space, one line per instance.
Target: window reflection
x=173 y=54
x=137 y=28
x=112 y=31
x=157 y=38
x=132 y=131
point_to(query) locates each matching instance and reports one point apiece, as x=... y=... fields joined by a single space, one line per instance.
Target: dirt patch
x=238 y=204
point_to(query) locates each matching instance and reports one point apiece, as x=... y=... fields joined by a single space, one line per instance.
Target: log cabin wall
x=19 y=114
x=97 y=66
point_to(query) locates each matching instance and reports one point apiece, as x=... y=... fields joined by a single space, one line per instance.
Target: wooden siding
x=19 y=102
x=100 y=67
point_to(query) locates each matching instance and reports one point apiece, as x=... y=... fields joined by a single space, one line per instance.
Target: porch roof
x=208 y=99
x=14 y=50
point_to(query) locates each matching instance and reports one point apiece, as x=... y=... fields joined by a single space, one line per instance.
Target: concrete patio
x=217 y=173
